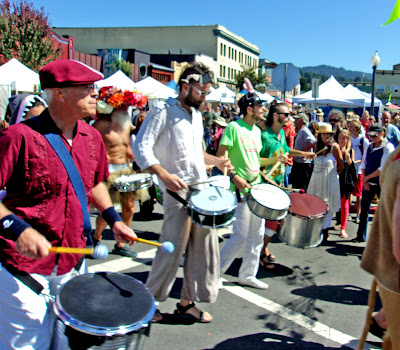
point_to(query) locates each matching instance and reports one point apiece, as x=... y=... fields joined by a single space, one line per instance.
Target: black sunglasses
x=285 y=114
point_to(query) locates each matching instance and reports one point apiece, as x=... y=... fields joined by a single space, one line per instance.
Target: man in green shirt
x=274 y=146
x=242 y=141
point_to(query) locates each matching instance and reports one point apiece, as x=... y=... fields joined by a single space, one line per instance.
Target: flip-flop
x=270 y=257
x=266 y=264
x=181 y=311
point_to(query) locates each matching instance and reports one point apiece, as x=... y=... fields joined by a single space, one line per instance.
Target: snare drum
x=268 y=202
x=302 y=228
x=213 y=206
x=220 y=181
x=104 y=310
x=134 y=182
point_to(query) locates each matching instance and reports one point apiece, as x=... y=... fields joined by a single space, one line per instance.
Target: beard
x=122 y=118
x=191 y=102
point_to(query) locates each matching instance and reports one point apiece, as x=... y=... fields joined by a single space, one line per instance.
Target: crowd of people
x=336 y=157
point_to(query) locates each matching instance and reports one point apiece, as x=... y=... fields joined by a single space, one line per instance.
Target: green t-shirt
x=272 y=147
x=244 y=145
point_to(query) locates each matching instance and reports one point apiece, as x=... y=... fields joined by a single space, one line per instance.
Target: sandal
x=157 y=317
x=266 y=264
x=181 y=311
x=376 y=329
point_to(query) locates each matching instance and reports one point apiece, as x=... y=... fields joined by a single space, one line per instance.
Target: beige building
x=229 y=51
x=388 y=81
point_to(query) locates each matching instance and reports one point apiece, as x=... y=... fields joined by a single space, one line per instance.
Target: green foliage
x=122 y=65
x=338 y=73
x=304 y=85
x=249 y=73
x=25 y=34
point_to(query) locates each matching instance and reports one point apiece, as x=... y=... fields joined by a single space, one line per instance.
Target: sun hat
x=325 y=128
x=220 y=121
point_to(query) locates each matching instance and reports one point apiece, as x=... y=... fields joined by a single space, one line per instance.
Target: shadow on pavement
x=346 y=250
x=270 y=341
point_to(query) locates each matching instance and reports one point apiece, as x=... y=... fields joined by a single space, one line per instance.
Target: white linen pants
x=201 y=249
x=26 y=318
x=248 y=233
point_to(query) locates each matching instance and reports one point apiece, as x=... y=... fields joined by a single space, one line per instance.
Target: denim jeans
x=366 y=200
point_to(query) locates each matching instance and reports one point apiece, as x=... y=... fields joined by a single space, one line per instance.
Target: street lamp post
x=375 y=60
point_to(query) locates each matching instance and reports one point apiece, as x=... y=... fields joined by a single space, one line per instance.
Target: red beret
x=62 y=73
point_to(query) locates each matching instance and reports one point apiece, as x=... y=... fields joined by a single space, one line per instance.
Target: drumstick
x=321 y=150
x=98 y=252
x=281 y=187
x=203 y=182
x=166 y=246
x=276 y=165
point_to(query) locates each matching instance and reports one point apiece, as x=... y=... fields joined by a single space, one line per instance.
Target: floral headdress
x=111 y=98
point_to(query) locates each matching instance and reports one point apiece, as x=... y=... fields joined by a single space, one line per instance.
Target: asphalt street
x=317 y=297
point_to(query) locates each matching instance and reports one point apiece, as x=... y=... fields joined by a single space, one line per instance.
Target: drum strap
x=73 y=173
x=29 y=281
x=178 y=198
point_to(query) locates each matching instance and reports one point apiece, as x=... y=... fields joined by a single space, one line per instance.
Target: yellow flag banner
x=395 y=13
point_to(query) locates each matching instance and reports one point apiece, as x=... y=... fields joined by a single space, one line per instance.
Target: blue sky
x=340 y=33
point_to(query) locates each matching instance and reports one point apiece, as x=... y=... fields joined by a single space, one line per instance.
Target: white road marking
x=122 y=264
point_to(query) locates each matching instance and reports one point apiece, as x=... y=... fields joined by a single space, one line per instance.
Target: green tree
x=122 y=65
x=304 y=86
x=251 y=74
x=26 y=34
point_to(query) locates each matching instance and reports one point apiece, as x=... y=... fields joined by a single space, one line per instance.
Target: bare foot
x=157 y=317
x=343 y=234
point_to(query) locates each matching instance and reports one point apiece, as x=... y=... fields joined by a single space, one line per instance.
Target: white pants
x=26 y=318
x=248 y=233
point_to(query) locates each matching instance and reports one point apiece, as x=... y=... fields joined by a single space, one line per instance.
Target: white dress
x=324 y=182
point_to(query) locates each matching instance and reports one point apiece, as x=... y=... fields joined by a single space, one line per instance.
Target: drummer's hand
x=283 y=159
x=32 y=244
x=223 y=163
x=310 y=155
x=123 y=233
x=173 y=183
x=240 y=183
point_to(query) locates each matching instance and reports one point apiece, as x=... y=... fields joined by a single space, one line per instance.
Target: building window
x=223 y=70
x=229 y=52
x=221 y=50
x=220 y=70
x=224 y=50
x=380 y=89
x=394 y=88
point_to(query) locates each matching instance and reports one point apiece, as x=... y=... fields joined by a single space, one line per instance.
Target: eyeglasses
x=370 y=119
x=200 y=92
x=89 y=87
x=285 y=114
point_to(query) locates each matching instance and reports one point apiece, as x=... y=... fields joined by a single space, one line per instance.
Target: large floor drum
x=302 y=227
x=105 y=310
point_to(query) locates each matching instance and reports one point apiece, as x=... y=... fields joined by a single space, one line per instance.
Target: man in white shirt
x=169 y=144
x=302 y=167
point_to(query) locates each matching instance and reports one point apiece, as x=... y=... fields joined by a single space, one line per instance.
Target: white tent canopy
x=355 y=93
x=265 y=97
x=222 y=94
x=19 y=76
x=154 y=89
x=331 y=93
x=119 y=80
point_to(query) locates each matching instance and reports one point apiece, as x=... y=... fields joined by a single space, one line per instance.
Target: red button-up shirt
x=290 y=134
x=40 y=192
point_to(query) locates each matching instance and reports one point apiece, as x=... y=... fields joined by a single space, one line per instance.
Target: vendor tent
x=265 y=97
x=331 y=93
x=222 y=94
x=356 y=94
x=19 y=76
x=154 y=89
x=119 y=80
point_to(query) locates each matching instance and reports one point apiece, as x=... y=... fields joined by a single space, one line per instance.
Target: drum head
x=213 y=199
x=307 y=205
x=105 y=303
x=270 y=196
x=220 y=181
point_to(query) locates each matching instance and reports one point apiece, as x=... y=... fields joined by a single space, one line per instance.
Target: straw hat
x=220 y=121
x=319 y=112
x=325 y=128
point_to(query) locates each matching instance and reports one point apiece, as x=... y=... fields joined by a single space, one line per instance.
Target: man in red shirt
x=41 y=208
